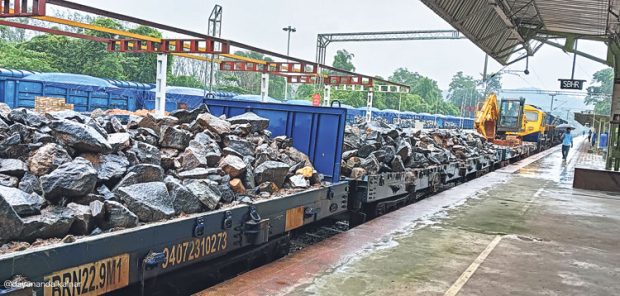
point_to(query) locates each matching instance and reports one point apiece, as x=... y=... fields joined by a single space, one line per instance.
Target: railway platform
x=520 y=230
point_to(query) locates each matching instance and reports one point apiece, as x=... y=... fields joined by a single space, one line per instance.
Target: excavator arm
x=487 y=116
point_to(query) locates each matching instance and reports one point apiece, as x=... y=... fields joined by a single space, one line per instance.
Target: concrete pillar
x=327 y=93
x=160 y=84
x=369 y=105
x=264 y=86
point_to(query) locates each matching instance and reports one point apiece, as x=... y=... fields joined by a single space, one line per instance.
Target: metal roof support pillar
x=369 y=104
x=327 y=94
x=160 y=84
x=613 y=142
x=264 y=86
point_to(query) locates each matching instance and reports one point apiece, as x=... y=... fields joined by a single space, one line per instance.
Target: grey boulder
x=142 y=173
x=80 y=136
x=212 y=123
x=271 y=171
x=183 y=200
x=205 y=191
x=256 y=122
x=84 y=222
x=53 y=222
x=8 y=181
x=30 y=183
x=149 y=201
x=12 y=167
x=232 y=165
x=119 y=141
x=47 y=159
x=23 y=203
x=72 y=179
x=172 y=137
x=114 y=214
x=11 y=224
x=111 y=166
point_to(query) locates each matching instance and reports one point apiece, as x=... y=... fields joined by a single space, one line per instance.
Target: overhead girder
x=21 y=8
x=207 y=46
x=232 y=43
x=323 y=40
x=142 y=43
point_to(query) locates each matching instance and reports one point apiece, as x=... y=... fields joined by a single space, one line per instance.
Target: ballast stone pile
x=377 y=147
x=66 y=173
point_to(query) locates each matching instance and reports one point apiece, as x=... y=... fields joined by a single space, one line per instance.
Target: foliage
x=344 y=60
x=135 y=64
x=599 y=94
x=424 y=95
x=14 y=58
x=493 y=83
x=304 y=92
x=47 y=53
x=462 y=91
x=185 y=81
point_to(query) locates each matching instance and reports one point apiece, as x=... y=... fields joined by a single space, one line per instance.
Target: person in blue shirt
x=567 y=143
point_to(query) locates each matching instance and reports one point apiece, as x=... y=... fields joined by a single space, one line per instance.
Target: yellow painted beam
x=132 y=35
x=196 y=57
x=96 y=28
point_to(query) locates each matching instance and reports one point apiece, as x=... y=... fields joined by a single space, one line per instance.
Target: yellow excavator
x=501 y=122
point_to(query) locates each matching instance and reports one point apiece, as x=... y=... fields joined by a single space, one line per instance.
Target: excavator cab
x=499 y=121
x=510 y=115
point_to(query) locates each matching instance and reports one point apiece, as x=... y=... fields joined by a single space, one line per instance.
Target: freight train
x=132 y=260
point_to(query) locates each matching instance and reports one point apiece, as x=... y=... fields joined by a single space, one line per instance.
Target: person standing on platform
x=593 y=139
x=589 y=135
x=567 y=143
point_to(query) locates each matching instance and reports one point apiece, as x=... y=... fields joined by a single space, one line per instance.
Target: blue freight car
x=391 y=115
x=241 y=228
x=178 y=97
x=10 y=73
x=84 y=94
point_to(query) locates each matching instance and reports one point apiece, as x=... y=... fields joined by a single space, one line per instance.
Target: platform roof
x=508 y=30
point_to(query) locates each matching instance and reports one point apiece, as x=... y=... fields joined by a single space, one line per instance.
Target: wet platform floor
x=521 y=230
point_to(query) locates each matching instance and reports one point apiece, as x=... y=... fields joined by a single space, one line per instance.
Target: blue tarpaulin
x=75 y=79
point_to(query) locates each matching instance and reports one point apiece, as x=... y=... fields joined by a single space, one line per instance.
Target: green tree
x=344 y=60
x=599 y=94
x=305 y=92
x=57 y=48
x=24 y=59
x=185 y=81
x=425 y=95
x=142 y=67
x=493 y=83
x=462 y=91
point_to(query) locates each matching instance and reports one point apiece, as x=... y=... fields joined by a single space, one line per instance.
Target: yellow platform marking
x=469 y=272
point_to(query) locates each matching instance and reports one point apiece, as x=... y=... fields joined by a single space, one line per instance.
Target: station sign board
x=571 y=84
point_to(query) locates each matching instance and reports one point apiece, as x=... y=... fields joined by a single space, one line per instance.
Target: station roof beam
x=510 y=30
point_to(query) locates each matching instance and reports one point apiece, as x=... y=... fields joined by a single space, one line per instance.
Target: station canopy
x=510 y=30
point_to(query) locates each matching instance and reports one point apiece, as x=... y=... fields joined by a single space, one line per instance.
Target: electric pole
x=289 y=30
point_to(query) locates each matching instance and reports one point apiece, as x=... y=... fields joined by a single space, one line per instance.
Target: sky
x=260 y=23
